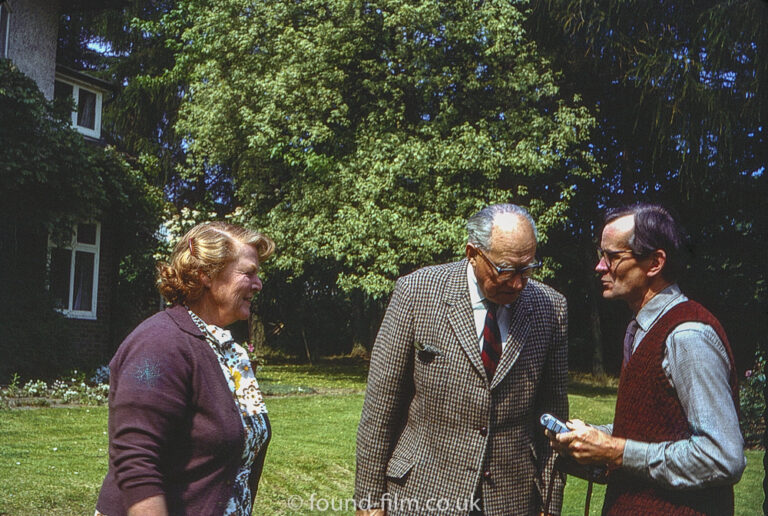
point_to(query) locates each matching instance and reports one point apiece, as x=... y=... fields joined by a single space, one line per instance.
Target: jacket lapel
x=460 y=315
x=179 y=315
x=519 y=325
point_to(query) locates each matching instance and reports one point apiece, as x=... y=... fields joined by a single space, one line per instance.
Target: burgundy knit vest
x=648 y=410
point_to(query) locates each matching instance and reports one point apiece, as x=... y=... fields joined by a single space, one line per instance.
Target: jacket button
x=487 y=473
x=484 y=431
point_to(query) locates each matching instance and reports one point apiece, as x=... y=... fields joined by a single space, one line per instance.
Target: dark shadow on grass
x=592 y=386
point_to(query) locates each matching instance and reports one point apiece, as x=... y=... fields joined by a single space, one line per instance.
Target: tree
x=677 y=89
x=135 y=44
x=362 y=134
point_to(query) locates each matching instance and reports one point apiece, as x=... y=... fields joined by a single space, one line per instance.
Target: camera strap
x=551 y=486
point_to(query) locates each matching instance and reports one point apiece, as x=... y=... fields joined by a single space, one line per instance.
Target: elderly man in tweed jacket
x=450 y=419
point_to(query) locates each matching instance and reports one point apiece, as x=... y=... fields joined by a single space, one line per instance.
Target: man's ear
x=657 y=260
x=471 y=252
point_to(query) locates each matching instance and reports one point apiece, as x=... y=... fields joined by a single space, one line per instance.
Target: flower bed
x=72 y=389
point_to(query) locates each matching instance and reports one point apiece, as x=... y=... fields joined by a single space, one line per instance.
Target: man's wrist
x=617 y=455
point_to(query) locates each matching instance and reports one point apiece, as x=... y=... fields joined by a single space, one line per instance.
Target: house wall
x=92 y=337
x=32 y=40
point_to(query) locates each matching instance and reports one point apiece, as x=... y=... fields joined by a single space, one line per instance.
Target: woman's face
x=233 y=288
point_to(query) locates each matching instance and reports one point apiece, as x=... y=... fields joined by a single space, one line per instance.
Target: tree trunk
x=306 y=346
x=598 y=362
x=598 y=367
x=374 y=321
x=256 y=334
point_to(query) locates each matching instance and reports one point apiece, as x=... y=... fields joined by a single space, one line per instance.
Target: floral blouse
x=237 y=369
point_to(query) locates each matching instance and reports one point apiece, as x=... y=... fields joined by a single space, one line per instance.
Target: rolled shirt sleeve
x=698 y=368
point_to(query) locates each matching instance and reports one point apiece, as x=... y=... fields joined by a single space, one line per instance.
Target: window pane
x=83 y=288
x=86 y=233
x=62 y=91
x=62 y=97
x=60 y=269
x=4 y=17
x=86 y=109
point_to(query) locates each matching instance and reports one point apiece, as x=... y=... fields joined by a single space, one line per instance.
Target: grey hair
x=480 y=224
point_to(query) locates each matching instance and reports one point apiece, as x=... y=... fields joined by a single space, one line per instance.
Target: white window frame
x=4 y=7
x=76 y=87
x=75 y=246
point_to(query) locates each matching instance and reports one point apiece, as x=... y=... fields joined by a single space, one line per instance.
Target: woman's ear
x=205 y=279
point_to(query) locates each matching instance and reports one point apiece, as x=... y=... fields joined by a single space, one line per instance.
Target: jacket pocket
x=398 y=468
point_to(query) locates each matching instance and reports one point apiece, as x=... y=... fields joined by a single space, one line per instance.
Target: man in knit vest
x=674 y=447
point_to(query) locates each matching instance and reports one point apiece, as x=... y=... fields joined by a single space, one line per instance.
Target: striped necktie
x=491 y=340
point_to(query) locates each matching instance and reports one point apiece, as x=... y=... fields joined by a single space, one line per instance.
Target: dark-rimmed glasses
x=506 y=273
x=610 y=256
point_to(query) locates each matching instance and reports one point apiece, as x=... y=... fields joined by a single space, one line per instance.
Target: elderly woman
x=188 y=429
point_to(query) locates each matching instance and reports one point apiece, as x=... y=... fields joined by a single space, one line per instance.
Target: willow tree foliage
x=362 y=134
x=134 y=44
x=679 y=94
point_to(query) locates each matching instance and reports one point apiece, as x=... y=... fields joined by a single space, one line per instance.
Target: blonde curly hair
x=206 y=248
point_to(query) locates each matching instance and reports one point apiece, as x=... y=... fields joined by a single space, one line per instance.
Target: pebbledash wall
x=33 y=38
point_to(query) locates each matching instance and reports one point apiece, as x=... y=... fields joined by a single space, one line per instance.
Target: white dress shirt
x=479 y=311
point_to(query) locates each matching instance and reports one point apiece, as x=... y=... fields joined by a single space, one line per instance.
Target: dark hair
x=655 y=228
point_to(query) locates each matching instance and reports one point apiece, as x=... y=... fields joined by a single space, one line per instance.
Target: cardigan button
x=484 y=431
x=487 y=473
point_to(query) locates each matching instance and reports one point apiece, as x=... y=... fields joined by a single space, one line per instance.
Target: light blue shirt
x=697 y=366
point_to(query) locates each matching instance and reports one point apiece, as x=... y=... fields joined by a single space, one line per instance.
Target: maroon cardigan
x=174 y=429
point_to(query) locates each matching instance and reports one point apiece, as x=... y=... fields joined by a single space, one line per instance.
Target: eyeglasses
x=506 y=273
x=610 y=256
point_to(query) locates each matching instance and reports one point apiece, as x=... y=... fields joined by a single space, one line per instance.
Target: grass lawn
x=52 y=460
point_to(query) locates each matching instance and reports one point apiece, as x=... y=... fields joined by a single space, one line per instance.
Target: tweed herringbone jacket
x=433 y=428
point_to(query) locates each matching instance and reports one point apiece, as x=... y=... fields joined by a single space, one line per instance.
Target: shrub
x=752 y=401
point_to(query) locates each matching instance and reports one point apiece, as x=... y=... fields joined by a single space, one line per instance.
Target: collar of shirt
x=658 y=306
x=476 y=298
x=220 y=334
x=217 y=334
